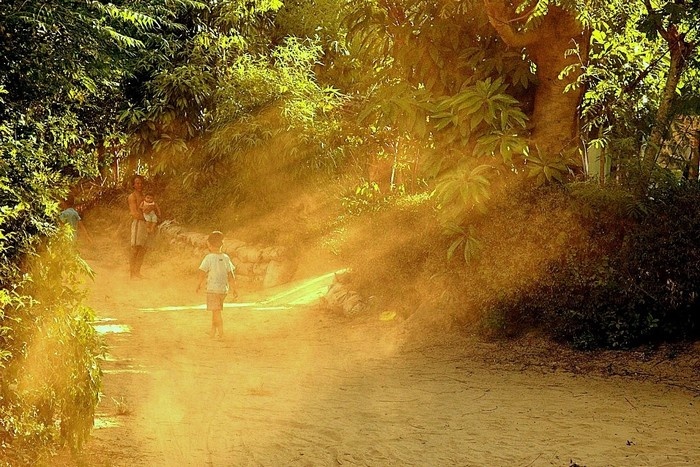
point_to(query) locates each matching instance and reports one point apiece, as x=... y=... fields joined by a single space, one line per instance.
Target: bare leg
x=136 y=260
x=217 y=324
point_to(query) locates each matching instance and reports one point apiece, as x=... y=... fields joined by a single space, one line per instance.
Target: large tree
x=557 y=43
x=677 y=24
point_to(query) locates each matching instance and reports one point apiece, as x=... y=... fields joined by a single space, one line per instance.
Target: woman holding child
x=140 y=235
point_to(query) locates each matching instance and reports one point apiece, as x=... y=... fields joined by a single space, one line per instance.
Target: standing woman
x=139 y=228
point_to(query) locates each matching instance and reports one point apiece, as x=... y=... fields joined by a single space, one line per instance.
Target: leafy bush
x=367 y=197
x=49 y=369
x=49 y=375
x=523 y=231
x=592 y=267
x=629 y=280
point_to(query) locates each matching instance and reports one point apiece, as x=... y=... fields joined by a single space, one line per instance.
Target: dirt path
x=294 y=385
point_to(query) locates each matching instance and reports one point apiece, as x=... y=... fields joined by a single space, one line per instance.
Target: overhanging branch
x=501 y=19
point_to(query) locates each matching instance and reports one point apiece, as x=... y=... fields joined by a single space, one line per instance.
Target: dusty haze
x=299 y=385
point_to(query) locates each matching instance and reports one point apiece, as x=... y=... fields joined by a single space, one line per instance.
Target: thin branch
x=496 y=12
x=663 y=32
x=644 y=73
x=525 y=14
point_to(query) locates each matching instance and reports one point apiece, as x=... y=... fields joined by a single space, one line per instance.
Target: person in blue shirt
x=69 y=215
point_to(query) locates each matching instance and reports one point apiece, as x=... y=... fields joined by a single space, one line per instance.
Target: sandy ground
x=292 y=384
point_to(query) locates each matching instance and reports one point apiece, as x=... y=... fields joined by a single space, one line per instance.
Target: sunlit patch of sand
x=309 y=297
x=305 y=291
x=125 y=370
x=105 y=422
x=174 y=308
x=112 y=328
x=387 y=316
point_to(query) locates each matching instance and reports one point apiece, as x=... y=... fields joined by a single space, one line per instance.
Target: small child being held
x=151 y=211
x=217 y=271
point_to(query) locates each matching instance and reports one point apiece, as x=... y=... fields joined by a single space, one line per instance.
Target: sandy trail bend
x=298 y=386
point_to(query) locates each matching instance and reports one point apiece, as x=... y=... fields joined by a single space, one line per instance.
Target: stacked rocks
x=340 y=296
x=269 y=266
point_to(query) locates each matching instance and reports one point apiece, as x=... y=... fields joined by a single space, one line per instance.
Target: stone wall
x=267 y=266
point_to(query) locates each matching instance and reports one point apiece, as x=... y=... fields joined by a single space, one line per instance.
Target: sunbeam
x=303 y=292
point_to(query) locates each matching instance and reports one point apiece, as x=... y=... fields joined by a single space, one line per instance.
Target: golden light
x=105 y=422
x=302 y=292
x=112 y=328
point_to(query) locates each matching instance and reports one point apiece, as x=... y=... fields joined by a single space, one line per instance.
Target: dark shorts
x=215 y=301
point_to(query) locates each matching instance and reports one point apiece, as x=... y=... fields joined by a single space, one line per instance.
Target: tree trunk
x=555 y=117
x=554 y=120
x=693 y=169
x=680 y=50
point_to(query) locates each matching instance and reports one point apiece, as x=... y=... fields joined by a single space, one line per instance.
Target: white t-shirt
x=217 y=266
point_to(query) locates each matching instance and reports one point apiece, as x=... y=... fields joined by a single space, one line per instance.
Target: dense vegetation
x=537 y=160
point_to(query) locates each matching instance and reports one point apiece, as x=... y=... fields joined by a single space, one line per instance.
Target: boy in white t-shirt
x=217 y=271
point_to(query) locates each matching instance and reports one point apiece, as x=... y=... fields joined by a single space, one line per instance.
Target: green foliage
x=547 y=169
x=437 y=63
x=465 y=240
x=314 y=19
x=180 y=79
x=622 y=78
x=641 y=74
x=63 y=63
x=484 y=110
x=441 y=83
x=50 y=370
x=237 y=100
x=271 y=113
x=367 y=197
x=463 y=191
